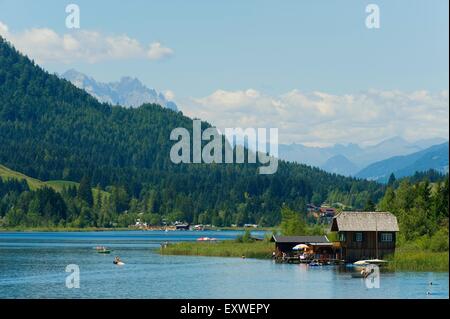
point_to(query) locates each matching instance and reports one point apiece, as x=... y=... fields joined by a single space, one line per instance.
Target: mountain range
x=349 y=160
x=339 y=164
x=346 y=160
x=434 y=157
x=129 y=92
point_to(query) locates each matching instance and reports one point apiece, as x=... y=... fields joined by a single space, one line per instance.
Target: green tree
x=387 y=203
x=246 y=237
x=85 y=191
x=107 y=212
x=391 y=180
x=120 y=198
x=291 y=223
x=15 y=217
x=316 y=199
x=369 y=206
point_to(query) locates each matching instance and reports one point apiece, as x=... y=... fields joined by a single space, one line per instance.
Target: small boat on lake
x=117 y=261
x=103 y=250
x=206 y=239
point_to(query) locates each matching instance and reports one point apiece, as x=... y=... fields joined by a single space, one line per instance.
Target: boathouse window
x=358 y=237
x=386 y=237
x=342 y=237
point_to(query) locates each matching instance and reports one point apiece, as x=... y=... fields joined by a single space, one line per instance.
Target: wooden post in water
x=376 y=236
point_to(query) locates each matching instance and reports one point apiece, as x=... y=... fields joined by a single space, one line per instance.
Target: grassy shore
x=404 y=259
x=228 y=248
x=409 y=260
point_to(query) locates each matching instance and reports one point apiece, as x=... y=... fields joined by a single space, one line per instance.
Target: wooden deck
x=296 y=260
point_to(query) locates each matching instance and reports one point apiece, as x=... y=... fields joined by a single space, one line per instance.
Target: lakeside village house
x=323 y=213
x=361 y=235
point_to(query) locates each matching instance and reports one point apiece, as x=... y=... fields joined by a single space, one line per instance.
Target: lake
x=32 y=265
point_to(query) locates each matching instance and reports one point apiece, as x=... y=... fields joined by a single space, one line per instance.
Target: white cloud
x=46 y=45
x=157 y=51
x=320 y=118
x=3 y=29
x=169 y=95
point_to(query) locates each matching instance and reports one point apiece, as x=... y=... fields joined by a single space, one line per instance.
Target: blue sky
x=271 y=47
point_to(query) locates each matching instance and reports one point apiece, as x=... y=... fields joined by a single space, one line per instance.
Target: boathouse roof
x=364 y=221
x=300 y=239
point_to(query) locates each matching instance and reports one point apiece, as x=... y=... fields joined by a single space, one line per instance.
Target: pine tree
x=391 y=180
x=370 y=206
x=85 y=191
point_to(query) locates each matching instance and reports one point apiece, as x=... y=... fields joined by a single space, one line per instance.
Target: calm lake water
x=32 y=265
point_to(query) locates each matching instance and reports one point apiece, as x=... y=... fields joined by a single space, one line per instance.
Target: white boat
x=378 y=262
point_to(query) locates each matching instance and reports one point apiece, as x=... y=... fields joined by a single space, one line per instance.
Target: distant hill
x=435 y=157
x=315 y=156
x=341 y=165
x=357 y=157
x=394 y=146
x=129 y=92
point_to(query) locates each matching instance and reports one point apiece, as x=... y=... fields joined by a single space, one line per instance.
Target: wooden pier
x=297 y=260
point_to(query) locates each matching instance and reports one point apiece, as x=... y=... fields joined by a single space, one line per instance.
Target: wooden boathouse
x=284 y=244
x=316 y=247
x=365 y=235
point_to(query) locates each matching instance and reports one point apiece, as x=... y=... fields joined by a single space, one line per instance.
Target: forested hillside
x=51 y=130
x=421 y=207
